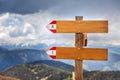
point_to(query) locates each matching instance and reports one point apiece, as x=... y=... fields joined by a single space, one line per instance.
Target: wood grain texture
x=83 y=26
x=79 y=42
x=82 y=53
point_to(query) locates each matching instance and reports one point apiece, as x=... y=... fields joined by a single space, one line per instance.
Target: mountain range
x=10 y=57
x=40 y=71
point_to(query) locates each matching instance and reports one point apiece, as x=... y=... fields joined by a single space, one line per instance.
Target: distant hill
x=37 y=72
x=56 y=64
x=9 y=58
x=102 y=75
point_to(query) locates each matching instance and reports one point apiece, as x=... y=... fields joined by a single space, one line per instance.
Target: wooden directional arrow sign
x=83 y=26
x=82 y=53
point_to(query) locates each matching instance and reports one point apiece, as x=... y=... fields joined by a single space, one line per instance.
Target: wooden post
x=73 y=75
x=79 y=40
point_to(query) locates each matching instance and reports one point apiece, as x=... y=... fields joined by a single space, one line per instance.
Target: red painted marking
x=54 y=31
x=54 y=57
x=53 y=22
x=53 y=48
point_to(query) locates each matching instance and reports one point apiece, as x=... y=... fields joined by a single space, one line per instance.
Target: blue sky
x=23 y=22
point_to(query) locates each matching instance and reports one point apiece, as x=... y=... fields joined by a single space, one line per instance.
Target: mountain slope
x=36 y=72
x=13 y=57
x=56 y=64
x=102 y=75
x=46 y=72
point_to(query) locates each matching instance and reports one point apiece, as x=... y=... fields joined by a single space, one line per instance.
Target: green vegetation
x=68 y=78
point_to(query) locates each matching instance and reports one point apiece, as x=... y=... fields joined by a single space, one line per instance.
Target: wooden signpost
x=75 y=53
x=80 y=27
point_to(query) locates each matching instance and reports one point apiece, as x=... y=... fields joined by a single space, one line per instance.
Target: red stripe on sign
x=54 y=31
x=53 y=48
x=53 y=22
x=54 y=57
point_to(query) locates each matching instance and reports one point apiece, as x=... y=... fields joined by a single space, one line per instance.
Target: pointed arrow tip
x=53 y=31
x=53 y=22
x=53 y=57
x=53 y=48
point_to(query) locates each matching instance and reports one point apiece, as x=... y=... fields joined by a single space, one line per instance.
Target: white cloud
x=50 y=41
x=106 y=68
x=26 y=29
x=110 y=38
x=3 y=35
x=117 y=65
x=4 y=17
x=31 y=29
x=86 y=67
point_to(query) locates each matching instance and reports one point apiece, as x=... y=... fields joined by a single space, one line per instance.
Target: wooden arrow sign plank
x=83 y=26
x=82 y=54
